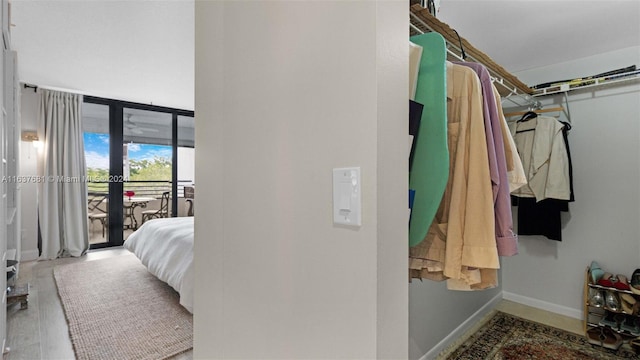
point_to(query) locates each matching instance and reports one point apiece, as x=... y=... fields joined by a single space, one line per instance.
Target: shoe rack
x=606 y=325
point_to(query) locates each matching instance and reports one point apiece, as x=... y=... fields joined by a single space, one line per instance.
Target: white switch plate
x=346 y=196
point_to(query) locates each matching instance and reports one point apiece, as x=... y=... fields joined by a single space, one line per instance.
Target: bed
x=165 y=247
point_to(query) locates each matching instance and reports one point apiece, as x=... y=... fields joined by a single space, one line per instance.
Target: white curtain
x=62 y=199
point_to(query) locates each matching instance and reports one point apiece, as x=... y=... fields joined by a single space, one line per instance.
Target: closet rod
x=540 y=111
x=528 y=101
x=449 y=52
x=495 y=78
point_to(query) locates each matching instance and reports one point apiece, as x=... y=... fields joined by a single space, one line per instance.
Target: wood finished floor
x=41 y=332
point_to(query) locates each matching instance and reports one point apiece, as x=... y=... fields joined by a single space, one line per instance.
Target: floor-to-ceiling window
x=97 y=139
x=139 y=157
x=186 y=162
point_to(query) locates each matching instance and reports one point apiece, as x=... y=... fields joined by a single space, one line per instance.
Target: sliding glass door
x=147 y=167
x=186 y=165
x=95 y=123
x=133 y=154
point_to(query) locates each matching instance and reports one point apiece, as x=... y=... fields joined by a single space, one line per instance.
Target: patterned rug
x=117 y=310
x=506 y=337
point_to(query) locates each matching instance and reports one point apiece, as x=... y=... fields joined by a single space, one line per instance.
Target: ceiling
x=522 y=35
x=143 y=51
x=140 y=51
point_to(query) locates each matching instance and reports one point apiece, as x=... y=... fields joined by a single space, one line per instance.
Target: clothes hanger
x=462 y=53
x=528 y=116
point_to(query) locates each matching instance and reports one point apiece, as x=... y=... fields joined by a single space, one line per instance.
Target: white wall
x=603 y=223
x=307 y=87
x=28 y=167
x=437 y=316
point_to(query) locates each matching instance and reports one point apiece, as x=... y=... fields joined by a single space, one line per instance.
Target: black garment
x=540 y=218
x=415 y=114
x=543 y=218
x=565 y=136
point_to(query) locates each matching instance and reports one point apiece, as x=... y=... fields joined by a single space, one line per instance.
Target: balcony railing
x=145 y=188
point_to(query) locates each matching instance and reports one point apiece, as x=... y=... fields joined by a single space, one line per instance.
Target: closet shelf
x=588 y=83
x=421 y=21
x=600 y=287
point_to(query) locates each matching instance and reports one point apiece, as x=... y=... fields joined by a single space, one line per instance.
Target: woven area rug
x=117 y=310
x=512 y=338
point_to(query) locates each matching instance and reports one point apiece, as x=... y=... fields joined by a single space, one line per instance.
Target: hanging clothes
x=544 y=147
x=461 y=244
x=430 y=169
x=515 y=171
x=543 y=152
x=415 y=54
x=415 y=115
x=540 y=218
x=565 y=136
x=506 y=239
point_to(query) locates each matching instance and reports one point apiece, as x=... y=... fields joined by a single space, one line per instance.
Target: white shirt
x=544 y=157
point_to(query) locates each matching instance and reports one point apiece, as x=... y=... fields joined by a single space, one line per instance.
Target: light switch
x=346 y=196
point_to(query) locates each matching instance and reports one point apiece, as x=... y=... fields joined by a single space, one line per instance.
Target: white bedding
x=165 y=247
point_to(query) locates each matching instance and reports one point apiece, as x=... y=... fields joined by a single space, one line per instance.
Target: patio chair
x=162 y=212
x=96 y=213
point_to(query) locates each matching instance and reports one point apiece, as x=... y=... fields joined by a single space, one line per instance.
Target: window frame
x=116 y=137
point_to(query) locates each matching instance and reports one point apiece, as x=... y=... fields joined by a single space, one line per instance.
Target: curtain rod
x=86 y=95
x=36 y=87
x=29 y=86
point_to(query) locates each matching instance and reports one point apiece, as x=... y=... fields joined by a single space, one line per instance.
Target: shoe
x=628 y=298
x=596 y=298
x=612 y=302
x=609 y=321
x=612 y=340
x=622 y=283
x=595 y=336
x=596 y=272
x=608 y=280
x=627 y=302
x=635 y=282
x=631 y=325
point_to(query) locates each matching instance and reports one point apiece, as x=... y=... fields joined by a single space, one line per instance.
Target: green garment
x=430 y=170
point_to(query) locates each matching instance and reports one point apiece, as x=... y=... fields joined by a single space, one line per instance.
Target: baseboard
x=544 y=305
x=462 y=328
x=29 y=255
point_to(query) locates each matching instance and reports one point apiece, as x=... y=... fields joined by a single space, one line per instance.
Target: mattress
x=165 y=247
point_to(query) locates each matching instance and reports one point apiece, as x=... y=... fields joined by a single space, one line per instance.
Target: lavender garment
x=506 y=239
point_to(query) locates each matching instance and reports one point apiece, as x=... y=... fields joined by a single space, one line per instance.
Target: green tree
x=157 y=169
x=97 y=180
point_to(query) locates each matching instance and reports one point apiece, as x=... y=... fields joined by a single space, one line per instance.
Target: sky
x=96 y=149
